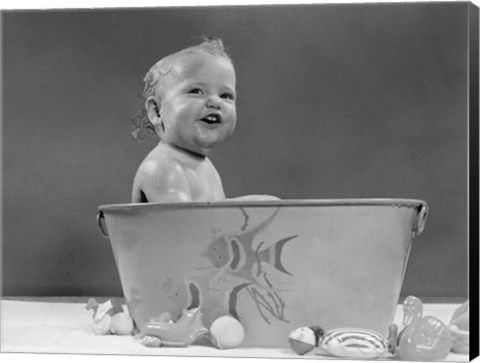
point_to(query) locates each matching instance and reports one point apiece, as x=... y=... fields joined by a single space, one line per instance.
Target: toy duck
x=162 y=331
x=110 y=318
x=424 y=338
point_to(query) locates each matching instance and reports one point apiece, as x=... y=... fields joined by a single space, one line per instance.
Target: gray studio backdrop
x=335 y=101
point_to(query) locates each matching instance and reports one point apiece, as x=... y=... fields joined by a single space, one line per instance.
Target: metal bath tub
x=275 y=265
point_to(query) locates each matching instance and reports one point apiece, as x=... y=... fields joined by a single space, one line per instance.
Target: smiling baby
x=190 y=103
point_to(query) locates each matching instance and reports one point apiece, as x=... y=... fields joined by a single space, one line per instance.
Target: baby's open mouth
x=212 y=119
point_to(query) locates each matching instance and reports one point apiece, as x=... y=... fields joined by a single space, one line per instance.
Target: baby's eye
x=228 y=96
x=196 y=91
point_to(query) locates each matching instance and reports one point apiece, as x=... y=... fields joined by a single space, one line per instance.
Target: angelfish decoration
x=237 y=251
x=236 y=269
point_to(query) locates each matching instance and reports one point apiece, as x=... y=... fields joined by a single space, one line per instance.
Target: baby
x=190 y=103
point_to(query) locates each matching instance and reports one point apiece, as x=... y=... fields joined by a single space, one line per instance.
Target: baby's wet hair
x=155 y=77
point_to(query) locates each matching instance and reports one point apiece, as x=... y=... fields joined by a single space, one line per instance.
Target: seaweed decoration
x=268 y=301
x=247 y=217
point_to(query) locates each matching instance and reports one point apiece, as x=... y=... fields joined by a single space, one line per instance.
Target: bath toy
x=303 y=340
x=110 y=307
x=423 y=338
x=110 y=318
x=354 y=343
x=459 y=329
x=460 y=340
x=460 y=317
x=227 y=332
x=347 y=343
x=102 y=326
x=161 y=331
x=121 y=324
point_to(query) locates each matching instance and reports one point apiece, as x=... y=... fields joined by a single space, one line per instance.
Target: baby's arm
x=162 y=181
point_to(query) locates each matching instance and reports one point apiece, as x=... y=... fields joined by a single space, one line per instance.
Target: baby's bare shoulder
x=159 y=178
x=160 y=175
x=159 y=164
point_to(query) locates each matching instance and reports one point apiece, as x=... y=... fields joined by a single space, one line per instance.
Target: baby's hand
x=254 y=197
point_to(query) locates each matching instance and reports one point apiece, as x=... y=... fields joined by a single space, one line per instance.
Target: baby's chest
x=205 y=184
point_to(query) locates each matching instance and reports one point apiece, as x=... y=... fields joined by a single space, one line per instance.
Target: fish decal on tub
x=237 y=250
x=237 y=261
x=220 y=251
x=185 y=295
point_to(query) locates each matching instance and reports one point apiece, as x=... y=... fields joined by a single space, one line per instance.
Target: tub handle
x=421 y=219
x=101 y=224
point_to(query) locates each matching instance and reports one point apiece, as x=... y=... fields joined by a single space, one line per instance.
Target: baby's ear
x=153 y=110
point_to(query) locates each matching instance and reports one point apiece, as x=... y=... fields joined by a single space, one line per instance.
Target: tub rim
x=395 y=202
x=421 y=207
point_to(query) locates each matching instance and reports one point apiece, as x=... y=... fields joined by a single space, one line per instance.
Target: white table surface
x=65 y=326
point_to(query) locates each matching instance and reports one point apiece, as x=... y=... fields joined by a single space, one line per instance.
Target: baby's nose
x=213 y=102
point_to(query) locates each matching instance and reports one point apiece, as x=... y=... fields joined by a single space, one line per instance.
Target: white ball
x=227 y=332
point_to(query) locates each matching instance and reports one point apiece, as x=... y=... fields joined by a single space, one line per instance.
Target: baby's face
x=198 y=103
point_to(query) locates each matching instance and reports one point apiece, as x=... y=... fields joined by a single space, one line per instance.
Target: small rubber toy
x=121 y=324
x=459 y=329
x=110 y=318
x=102 y=326
x=161 y=331
x=227 y=332
x=423 y=338
x=303 y=340
x=354 y=343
